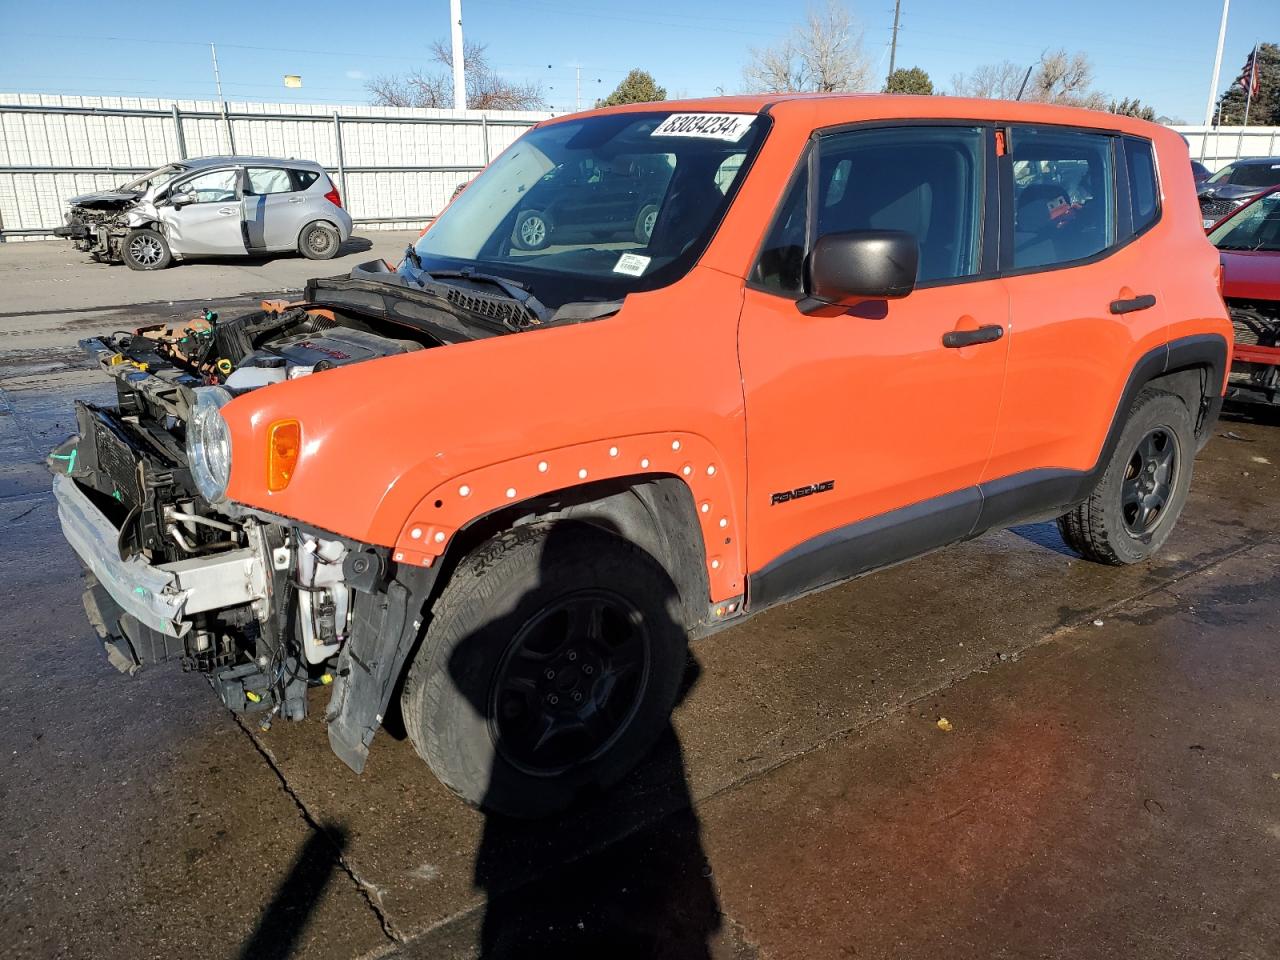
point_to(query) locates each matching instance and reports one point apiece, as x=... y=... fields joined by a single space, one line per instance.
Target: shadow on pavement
x=286 y=916
x=621 y=874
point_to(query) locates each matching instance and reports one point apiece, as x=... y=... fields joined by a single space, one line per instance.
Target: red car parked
x=1249 y=244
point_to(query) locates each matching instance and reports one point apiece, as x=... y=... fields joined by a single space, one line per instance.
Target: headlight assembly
x=209 y=443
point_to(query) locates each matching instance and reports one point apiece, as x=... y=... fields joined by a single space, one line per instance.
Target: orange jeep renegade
x=658 y=368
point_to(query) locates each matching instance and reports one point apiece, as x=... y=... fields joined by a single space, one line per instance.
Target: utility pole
x=893 y=46
x=459 y=75
x=1217 y=66
x=217 y=82
x=577 y=96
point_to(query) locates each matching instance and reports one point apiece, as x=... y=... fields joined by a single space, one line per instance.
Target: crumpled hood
x=109 y=199
x=1228 y=191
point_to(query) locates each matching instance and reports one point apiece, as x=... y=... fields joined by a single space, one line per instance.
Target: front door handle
x=1143 y=302
x=967 y=338
x=227 y=211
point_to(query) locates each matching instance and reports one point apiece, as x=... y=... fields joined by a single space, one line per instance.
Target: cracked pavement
x=1110 y=785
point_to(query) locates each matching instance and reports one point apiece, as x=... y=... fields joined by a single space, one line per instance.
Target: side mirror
x=181 y=198
x=847 y=268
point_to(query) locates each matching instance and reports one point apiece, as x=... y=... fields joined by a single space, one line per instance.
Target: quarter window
x=1063 y=195
x=1144 y=196
x=268 y=180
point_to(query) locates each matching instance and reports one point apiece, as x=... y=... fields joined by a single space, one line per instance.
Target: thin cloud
x=355 y=74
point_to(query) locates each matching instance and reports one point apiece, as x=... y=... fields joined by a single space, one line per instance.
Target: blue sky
x=1158 y=50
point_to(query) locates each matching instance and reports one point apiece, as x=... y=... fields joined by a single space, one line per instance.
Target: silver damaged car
x=212 y=206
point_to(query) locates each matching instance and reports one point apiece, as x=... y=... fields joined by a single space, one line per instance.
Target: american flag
x=1248 y=78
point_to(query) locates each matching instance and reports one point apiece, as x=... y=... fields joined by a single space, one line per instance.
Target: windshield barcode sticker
x=632 y=264
x=710 y=126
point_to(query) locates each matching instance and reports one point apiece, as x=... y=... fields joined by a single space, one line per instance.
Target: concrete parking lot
x=1109 y=785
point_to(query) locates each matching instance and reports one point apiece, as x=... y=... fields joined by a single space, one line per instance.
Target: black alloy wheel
x=1149 y=481
x=570 y=682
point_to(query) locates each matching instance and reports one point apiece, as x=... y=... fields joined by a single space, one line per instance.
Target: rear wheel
x=1133 y=509
x=550 y=667
x=145 y=249
x=319 y=241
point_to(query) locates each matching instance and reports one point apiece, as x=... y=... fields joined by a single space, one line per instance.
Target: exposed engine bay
x=97 y=223
x=1257 y=324
x=261 y=606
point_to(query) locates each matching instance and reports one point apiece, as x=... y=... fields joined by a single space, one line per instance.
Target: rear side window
x=302 y=179
x=927 y=181
x=1063 y=195
x=268 y=180
x=1144 y=195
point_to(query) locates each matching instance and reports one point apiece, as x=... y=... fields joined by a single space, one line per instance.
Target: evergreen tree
x=637 y=87
x=909 y=80
x=1264 y=111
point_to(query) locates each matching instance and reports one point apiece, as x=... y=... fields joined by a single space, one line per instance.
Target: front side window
x=216 y=186
x=1063 y=195
x=267 y=180
x=1255 y=227
x=597 y=207
x=926 y=181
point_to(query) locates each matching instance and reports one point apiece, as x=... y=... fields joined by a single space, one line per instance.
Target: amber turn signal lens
x=284 y=443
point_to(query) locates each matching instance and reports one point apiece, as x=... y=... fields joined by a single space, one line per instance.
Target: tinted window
x=927 y=181
x=266 y=180
x=781 y=264
x=1144 y=196
x=302 y=179
x=217 y=186
x=1063 y=195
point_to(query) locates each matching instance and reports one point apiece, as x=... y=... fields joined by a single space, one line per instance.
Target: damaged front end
x=265 y=607
x=97 y=222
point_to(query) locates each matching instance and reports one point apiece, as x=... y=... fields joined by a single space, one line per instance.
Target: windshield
x=153 y=179
x=1248 y=175
x=1255 y=227
x=596 y=208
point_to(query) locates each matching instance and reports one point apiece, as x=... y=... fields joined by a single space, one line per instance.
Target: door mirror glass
x=847 y=268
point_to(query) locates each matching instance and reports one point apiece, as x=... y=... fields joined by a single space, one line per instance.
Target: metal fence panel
x=1215 y=147
x=397 y=167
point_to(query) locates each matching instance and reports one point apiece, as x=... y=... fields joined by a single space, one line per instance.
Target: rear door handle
x=295 y=199
x=967 y=338
x=1143 y=302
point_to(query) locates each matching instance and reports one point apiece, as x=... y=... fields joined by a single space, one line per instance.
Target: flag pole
x=1213 y=84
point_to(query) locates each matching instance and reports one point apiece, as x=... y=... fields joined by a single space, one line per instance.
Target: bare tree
x=486 y=89
x=991 y=81
x=824 y=54
x=1067 y=79
x=1058 y=77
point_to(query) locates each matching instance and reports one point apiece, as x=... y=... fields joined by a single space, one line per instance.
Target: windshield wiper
x=412 y=254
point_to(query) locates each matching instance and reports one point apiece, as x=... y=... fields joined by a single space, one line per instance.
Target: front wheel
x=1133 y=509
x=645 y=220
x=551 y=665
x=532 y=231
x=145 y=249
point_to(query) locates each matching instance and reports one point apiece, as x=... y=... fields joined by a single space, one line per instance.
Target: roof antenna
x=1025 y=78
